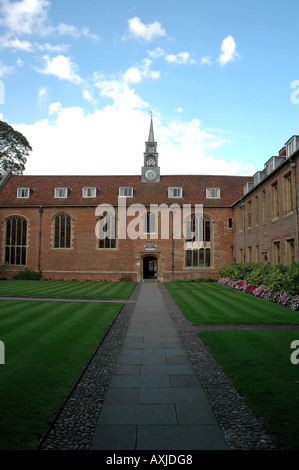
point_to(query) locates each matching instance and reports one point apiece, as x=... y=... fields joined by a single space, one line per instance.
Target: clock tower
x=150 y=172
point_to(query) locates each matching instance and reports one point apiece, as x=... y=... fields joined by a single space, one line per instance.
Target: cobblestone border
x=74 y=424
x=242 y=429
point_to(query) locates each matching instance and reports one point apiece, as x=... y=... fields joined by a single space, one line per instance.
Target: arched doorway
x=150 y=267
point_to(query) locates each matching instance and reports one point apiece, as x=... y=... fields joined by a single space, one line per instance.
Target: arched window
x=62 y=231
x=16 y=241
x=198 y=241
x=107 y=231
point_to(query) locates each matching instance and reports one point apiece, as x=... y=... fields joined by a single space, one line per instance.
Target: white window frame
x=61 y=193
x=175 y=192
x=89 y=192
x=213 y=193
x=126 y=191
x=23 y=193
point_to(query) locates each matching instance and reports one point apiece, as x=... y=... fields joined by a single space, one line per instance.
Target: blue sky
x=221 y=78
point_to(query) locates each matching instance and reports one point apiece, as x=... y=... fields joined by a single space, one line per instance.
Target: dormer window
x=213 y=193
x=175 y=192
x=61 y=193
x=126 y=192
x=23 y=193
x=89 y=192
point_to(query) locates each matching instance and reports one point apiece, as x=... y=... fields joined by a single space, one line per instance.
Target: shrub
x=275 y=279
x=236 y=271
x=258 y=275
x=292 y=278
x=2 y=272
x=125 y=278
x=28 y=275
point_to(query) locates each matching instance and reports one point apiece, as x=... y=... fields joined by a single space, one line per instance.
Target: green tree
x=14 y=150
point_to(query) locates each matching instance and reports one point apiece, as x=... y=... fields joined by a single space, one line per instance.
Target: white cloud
x=61 y=67
x=206 y=60
x=5 y=69
x=76 y=33
x=32 y=16
x=228 y=51
x=156 y=53
x=51 y=48
x=87 y=95
x=179 y=109
x=54 y=108
x=111 y=141
x=145 y=32
x=180 y=58
x=25 y=16
x=43 y=93
x=7 y=42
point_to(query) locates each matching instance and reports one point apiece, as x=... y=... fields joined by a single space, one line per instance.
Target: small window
x=125 y=192
x=61 y=192
x=23 y=193
x=213 y=193
x=89 y=192
x=175 y=192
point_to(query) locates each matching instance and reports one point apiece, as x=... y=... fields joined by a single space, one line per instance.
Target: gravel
x=74 y=424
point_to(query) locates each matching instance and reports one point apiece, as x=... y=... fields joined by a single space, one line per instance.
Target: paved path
x=155 y=400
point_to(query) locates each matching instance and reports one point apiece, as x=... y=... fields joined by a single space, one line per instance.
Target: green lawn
x=67 y=289
x=258 y=362
x=47 y=345
x=208 y=303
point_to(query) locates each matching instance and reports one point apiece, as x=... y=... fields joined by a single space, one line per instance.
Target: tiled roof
x=42 y=190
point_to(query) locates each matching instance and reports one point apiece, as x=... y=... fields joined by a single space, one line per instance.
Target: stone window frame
x=60 y=214
x=23 y=193
x=199 y=247
x=290 y=250
x=128 y=191
x=276 y=252
x=275 y=200
x=92 y=189
x=107 y=243
x=288 y=203
x=175 y=192
x=22 y=247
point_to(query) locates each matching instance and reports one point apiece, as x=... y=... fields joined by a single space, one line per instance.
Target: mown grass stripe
x=46 y=349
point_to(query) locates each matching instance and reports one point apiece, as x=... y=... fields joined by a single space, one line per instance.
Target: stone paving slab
x=154 y=390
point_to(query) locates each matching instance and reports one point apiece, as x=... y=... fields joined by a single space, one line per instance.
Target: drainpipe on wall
x=244 y=234
x=293 y=166
x=172 y=246
x=41 y=210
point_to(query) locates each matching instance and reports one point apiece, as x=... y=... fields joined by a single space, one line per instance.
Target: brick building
x=152 y=225
x=266 y=215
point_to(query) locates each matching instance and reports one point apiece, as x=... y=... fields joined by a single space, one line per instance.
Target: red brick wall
x=265 y=233
x=84 y=261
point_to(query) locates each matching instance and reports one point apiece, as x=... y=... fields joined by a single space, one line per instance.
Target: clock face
x=150 y=175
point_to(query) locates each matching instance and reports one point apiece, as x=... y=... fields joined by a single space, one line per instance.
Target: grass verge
x=258 y=363
x=47 y=346
x=67 y=289
x=212 y=305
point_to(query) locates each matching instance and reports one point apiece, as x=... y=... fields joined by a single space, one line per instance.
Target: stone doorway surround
x=141 y=259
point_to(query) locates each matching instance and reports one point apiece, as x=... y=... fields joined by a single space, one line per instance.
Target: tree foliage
x=14 y=150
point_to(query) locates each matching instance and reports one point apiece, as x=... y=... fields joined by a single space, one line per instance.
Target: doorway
x=150 y=265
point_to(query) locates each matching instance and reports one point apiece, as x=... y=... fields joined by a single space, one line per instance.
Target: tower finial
x=151 y=137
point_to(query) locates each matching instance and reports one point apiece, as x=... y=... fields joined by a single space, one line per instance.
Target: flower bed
x=282 y=298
